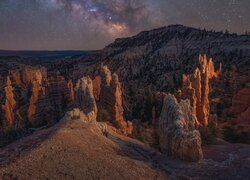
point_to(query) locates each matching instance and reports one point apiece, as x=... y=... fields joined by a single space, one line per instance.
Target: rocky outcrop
x=97 y=87
x=84 y=98
x=111 y=101
x=196 y=89
x=70 y=86
x=9 y=105
x=49 y=98
x=39 y=100
x=37 y=90
x=177 y=134
x=76 y=114
x=31 y=74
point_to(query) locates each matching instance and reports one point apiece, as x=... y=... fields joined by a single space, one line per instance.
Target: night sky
x=92 y=24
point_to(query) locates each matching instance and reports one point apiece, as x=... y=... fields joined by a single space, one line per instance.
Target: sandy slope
x=76 y=150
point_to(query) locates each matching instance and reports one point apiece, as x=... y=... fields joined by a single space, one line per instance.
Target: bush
x=236 y=134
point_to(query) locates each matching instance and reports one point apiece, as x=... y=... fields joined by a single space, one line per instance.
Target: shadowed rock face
x=241 y=103
x=35 y=78
x=84 y=98
x=32 y=99
x=37 y=98
x=71 y=95
x=110 y=100
x=196 y=89
x=177 y=134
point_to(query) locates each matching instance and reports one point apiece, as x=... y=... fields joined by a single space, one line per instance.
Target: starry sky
x=92 y=24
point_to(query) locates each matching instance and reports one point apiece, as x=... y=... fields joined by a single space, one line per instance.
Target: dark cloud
x=91 y=24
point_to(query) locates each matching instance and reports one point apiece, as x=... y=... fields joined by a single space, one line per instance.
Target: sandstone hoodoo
x=196 y=88
x=31 y=74
x=38 y=92
x=71 y=95
x=111 y=100
x=9 y=106
x=84 y=98
x=177 y=133
x=32 y=99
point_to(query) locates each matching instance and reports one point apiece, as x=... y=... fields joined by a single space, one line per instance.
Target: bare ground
x=76 y=150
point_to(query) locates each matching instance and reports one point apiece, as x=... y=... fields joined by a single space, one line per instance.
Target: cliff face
x=196 y=88
x=177 y=134
x=33 y=99
x=49 y=97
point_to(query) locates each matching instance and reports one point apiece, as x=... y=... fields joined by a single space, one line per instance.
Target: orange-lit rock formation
x=38 y=100
x=70 y=87
x=9 y=105
x=196 y=88
x=177 y=134
x=31 y=74
x=110 y=100
x=34 y=77
x=97 y=87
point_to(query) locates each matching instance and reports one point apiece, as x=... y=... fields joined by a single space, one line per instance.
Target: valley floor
x=77 y=150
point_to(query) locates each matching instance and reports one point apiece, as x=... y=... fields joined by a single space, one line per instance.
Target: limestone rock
x=48 y=101
x=84 y=97
x=177 y=134
x=111 y=102
x=31 y=74
x=70 y=87
x=106 y=76
x=196 y=89
x=76 y=114
x=97 y=87
x=9 y=105
x=37 y=92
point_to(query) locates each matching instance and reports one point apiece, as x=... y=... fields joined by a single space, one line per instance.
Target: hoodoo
x=177 y=133
x=196 y=89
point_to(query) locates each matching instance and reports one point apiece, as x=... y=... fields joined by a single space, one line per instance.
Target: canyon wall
x=40 y=98
x=33 y=99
